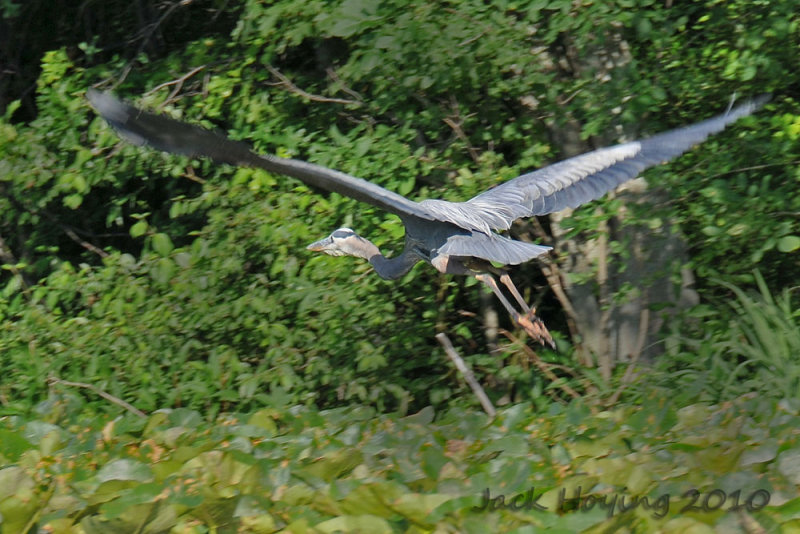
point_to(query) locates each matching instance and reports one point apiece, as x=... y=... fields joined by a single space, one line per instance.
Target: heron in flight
x=455 y=237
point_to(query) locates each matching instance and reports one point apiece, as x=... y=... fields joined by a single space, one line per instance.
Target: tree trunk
x=608 y=329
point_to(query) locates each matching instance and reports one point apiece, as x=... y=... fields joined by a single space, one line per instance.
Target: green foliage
x=750 y=219
x=175 y=283
x=750 y=347
x=351 y=469
x=203 y=325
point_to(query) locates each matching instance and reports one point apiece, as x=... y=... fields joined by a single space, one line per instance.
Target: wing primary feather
x=169 y=135
x=583 y=178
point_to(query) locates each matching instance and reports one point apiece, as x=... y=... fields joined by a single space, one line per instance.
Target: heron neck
x=387 y=268
x=392 y=268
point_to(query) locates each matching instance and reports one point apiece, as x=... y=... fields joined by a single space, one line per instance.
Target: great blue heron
x=454 y=237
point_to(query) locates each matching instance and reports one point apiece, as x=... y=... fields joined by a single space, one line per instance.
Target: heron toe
x=535 y=328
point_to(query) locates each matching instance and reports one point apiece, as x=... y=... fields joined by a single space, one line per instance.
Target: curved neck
x=393 y=268
x=387 y=268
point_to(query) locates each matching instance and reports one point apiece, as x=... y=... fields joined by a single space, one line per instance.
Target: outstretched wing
x=577 y=180
x=169 y=135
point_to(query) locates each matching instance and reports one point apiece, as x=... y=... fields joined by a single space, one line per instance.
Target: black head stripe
x=342 y=233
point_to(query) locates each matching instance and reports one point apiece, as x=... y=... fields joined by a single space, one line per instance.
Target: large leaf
x=125 y=469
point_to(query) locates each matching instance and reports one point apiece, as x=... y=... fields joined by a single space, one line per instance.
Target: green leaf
x=12 y=445
x=162 y=244
x=264 y=419
x=789 y=243
x=36 y=431
x=765 y=452
x=185 y=417
x=125 y=469
x=138 y=228
x=15 y=481
x=333 y=464
x=355 y=523
x=164 y=270
x=16 y=512
x=789 y=465
x=143 y=493
x=73 y=201
x=417 y=507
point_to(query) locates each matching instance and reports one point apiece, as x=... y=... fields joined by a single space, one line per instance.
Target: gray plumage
x=577 y=180
x=455 y=237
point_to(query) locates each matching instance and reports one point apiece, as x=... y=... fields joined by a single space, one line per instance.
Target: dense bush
x=740 y=345
x=174 y=283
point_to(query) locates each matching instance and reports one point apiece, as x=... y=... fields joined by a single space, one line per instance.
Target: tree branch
x=335 y=77
x=292 y=88
x=52 y=218
x=178 y=83
x=454 y=122
x=85 y=244
x=553 y=275
x=54 y=381
x=147 y=35
x=466 y=372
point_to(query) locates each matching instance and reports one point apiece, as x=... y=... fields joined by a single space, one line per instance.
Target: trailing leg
x=528 y=321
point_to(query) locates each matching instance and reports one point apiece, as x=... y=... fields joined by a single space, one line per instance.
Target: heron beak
x=321 y=245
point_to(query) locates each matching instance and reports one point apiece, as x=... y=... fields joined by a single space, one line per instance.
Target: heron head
x=343 y=242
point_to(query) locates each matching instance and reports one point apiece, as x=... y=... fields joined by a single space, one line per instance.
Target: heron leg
x=529 y=322
x=515 y=292
x=489 y=280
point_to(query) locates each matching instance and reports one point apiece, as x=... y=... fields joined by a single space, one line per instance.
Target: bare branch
x=552 y=272
x=461 y=135
x=67 y=229
x=190 y=175
x=54 y=381
x=151 y=30
x=466 y=372
x=454 y=122
x=178 y=83
x=335 y=77
x=85 y=244
x=292 y=88
x=754 y=168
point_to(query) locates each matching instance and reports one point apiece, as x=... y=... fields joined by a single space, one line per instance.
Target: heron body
x=455 y=237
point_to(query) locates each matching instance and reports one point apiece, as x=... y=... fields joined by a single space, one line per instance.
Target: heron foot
x=535 y=328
